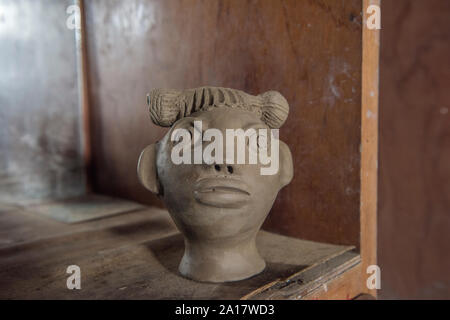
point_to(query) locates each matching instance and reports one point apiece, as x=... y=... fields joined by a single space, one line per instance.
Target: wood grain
x=131 y=256
x=369 y=148
x=310 y=51
x=344 y=287
x=414 y=190
x=313 y=282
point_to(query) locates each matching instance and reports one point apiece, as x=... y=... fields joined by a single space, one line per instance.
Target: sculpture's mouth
x=221 y=192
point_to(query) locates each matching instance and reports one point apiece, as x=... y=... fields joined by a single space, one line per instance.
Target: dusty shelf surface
x=135 y=255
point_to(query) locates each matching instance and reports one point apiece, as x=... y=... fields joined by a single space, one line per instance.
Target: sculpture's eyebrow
x=188 y=123
x=185 y=121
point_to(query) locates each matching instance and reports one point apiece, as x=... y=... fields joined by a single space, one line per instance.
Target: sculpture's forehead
x=229 y=118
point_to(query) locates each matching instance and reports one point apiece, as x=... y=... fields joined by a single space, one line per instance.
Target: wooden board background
x=310 y=51
x=414 y=183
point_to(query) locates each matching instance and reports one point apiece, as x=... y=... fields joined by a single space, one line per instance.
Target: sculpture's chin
x=212 y=217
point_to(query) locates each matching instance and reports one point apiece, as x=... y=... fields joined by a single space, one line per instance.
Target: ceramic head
x=219 y=206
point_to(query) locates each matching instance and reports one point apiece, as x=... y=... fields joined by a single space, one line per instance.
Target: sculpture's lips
x=221 y=192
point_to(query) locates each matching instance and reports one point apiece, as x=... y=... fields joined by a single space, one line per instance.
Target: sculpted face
x=219 y=207
x=215 y=201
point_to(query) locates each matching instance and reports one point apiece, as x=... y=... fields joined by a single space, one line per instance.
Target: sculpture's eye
x=259 y=140
x=184 y=133
x=262 y=142
x=180 y=136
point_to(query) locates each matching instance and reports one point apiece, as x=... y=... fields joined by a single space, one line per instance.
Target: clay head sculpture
x=218 y=205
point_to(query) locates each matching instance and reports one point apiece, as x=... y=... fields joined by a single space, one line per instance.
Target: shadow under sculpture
x=218 y=207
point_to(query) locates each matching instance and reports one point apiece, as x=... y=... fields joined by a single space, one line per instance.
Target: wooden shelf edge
x=345 y=286
x=309 y=281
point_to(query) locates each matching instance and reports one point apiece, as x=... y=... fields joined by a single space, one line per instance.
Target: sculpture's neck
x=221 y=260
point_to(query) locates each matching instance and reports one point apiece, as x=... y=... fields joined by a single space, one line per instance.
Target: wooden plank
x=84 y=208
x=353 y=282
x=83 y=89
x=344 y=287
x=19 y=226
x=134 y=257
x=306 y=283
x=414 y=190
x=369 y=148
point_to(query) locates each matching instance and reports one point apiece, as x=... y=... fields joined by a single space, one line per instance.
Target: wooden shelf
x=135 y=255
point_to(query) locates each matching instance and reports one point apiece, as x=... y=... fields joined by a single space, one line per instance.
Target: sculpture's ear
x=146 y=169
x=286 y=165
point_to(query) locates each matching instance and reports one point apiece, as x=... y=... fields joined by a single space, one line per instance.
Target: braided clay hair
x=167 y=105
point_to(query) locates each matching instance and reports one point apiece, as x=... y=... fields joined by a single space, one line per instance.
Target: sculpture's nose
x=225 y=168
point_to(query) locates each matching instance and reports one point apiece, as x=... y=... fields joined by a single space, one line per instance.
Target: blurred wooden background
x=41 y=156
x=414 y=163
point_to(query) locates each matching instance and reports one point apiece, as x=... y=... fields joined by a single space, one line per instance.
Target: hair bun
x=167 y=105
x=163 y=106
x=275 y=109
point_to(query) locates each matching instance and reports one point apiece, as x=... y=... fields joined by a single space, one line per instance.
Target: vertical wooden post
x=369 y=146
x=83 y=85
